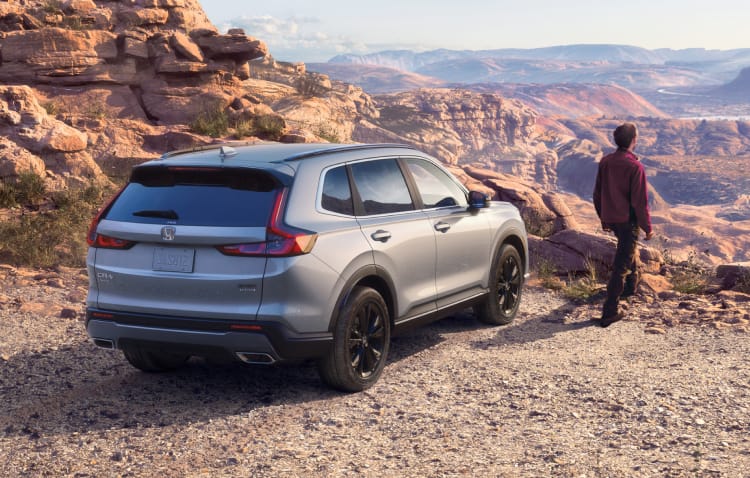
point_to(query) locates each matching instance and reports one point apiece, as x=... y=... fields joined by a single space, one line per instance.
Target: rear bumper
x=203 y=336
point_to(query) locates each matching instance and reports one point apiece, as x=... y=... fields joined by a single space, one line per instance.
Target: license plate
x=169 y=259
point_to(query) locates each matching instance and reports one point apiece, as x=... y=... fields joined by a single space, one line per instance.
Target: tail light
x=281 y=240
x=94 y=239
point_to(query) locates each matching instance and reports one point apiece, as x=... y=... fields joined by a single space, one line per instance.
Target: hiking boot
x=607 y=321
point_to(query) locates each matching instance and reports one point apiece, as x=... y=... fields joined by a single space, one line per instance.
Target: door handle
x=381 y=235
x=442 y=226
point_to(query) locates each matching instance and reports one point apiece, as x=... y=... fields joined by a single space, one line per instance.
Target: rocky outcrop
x=462 y=127
x=545 y=213
x=33 y=141
x=166 y=51
x=104 y=78
x=578 y=252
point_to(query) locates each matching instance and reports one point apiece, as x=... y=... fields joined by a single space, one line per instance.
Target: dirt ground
x=549 y=395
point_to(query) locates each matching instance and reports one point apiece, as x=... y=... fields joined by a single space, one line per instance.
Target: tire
x=361 y=340
x=506 y=282
x=154 y=361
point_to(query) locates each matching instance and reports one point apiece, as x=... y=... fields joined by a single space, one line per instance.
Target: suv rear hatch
x=185 y=242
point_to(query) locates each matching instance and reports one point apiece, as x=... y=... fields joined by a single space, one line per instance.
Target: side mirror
x=477 y=200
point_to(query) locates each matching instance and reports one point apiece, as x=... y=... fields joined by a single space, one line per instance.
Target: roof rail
x=208 y=147
x=345 y=148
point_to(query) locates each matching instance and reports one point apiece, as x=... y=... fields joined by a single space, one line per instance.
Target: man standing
x=621 y=202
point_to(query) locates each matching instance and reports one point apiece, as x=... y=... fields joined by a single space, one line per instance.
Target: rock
x=240 y=47
x=66 y=313
x=78 y=6
x=161 y=3
x=142 y=16
x=655 y=284
x=57 y=283
x=15 y=160
x=135 y=47
x=578 y=252
x=734 y=274
x=29 y=56
x=298 y=136
x=185 y=47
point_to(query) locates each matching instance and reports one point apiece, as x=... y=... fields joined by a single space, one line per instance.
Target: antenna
x=227 y=152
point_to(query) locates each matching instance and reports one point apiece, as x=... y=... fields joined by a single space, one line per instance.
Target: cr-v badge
x=167 y=233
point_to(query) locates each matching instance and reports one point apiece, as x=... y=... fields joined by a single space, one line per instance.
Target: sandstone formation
x=104 y=79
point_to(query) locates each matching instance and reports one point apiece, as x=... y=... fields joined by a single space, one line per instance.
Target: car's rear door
x=400 y=236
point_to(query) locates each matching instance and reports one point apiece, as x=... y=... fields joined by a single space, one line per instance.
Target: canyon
x=89 y=88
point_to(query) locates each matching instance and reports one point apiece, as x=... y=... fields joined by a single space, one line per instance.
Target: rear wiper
x=165 y=214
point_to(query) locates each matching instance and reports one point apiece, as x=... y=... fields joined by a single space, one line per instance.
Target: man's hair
x=624 y=135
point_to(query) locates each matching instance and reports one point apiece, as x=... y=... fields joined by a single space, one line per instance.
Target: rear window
x=196 y=197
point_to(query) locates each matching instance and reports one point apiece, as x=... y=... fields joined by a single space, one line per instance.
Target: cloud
x=296 y=38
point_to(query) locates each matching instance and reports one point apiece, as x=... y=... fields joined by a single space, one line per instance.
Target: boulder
x=15 y=160
x=52 y=54
x=239 y=47
x=185 y=47
x=734 y=274
x=78 y=6
x=142 y=16
x=576 y=252
x=160 y=3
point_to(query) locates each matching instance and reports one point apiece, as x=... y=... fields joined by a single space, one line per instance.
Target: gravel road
x=549 y=395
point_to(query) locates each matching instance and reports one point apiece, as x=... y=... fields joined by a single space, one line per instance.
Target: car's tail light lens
x=108 y=242
x=97 y=240
x=281 y=240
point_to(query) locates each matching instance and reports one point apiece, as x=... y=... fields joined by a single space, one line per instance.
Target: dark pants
x=624 y=277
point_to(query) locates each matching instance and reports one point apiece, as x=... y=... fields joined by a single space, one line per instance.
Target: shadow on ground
x=81 y=388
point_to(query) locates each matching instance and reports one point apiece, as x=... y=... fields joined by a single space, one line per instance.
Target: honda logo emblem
x=167 y=233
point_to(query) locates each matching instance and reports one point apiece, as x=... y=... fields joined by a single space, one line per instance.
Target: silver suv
x=276 y=252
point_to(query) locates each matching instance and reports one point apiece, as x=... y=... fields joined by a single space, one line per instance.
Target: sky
x=316 y=30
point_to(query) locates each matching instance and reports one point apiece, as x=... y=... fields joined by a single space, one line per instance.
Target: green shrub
x=212 y=121
x=689 y=280
x=328 y=133
x=586 y=286
x=28 y=189
x=243 y=129
x=55 y=237
x=547 y=274
x=52 y=6
x=51 y=108
x=269 y=126
x=309 y=86
x=582 y=288
x=7 y=195
x=689 y=276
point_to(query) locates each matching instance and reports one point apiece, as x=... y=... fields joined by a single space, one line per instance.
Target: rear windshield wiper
x=165 y=214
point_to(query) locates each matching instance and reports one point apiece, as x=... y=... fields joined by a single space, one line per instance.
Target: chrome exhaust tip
x=104 y=343
x=255 y=358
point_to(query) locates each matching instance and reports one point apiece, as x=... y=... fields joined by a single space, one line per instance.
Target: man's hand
x=649 y=236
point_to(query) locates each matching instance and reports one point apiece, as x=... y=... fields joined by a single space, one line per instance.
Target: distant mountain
x=413 y=61
x=628 y=66
x=737 y=89
x=575 y=100
x=376 y=79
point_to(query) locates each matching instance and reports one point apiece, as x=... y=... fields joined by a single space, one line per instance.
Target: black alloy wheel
x=501 y=304
x=361 y=341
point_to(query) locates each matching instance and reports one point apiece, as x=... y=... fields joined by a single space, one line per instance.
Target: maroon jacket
x=621 y=190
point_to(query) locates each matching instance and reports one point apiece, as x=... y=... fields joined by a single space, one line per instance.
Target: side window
x=381 y=187
x=435 y=186
x=337 y=196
